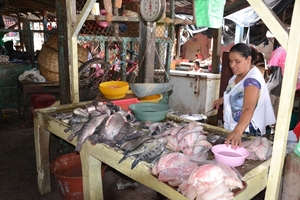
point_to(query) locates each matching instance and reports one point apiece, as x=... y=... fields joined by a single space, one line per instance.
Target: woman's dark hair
x=197 y=63
x=245 y=51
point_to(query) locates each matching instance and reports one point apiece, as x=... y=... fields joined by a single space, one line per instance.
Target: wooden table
x=93 y=156
x=26 y=88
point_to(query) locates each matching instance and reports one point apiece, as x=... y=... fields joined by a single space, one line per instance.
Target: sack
x=209 y=13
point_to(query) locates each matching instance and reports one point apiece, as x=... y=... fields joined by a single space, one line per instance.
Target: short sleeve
x=252 y=81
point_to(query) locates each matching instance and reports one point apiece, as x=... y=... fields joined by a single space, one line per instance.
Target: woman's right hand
x=217 y=103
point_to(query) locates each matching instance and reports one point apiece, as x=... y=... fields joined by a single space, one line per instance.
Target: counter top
x=193 y=74
x=92 y=157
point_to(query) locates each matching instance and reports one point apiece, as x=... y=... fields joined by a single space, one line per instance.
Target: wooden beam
x=82 y=17
x=271 y=20
x=72 y=43
x=285 y=106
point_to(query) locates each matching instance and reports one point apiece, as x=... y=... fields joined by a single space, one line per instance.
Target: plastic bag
x=209 y=13
x=32 y=75
x=277 y=58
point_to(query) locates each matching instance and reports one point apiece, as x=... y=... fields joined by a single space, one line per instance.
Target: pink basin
x=227 y=155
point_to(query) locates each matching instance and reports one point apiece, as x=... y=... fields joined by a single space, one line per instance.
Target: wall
x=199 y=41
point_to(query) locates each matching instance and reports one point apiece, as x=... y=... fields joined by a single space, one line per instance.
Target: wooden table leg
x=41 y=139
x=91 y=175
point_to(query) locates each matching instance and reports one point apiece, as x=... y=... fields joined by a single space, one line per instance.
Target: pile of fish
x=260 y=148
x=98 y=122
x=206 y=180
x=211 y=181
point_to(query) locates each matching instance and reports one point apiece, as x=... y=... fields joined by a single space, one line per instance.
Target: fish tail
x=135 y=162
x=71 y=137
x=122 y=159
x=78 y=146
x=67 y=129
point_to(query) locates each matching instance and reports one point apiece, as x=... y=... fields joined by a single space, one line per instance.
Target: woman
x=247 y=105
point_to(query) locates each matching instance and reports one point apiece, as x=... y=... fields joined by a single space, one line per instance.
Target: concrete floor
x=18 y=166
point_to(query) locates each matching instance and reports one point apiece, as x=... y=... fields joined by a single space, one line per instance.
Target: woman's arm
x=251 y=95
x=217 y=103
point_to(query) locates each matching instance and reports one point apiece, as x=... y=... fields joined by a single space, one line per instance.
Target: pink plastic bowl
x=232 y=157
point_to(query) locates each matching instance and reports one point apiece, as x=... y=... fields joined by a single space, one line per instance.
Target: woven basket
x=48 y=59
x=49 y=76
x=81 y=51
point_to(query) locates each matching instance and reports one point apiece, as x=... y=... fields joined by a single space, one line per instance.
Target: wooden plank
x=82 y=17
x=91 y=174
x=256 y=180
x=274 y=24
x=285 y=106
x=72 y=43
x=41 y=139
x=74 y=82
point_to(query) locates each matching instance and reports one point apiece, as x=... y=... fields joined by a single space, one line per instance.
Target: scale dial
x=152 y=10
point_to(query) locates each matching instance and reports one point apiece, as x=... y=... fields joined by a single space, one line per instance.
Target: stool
x=41 y=101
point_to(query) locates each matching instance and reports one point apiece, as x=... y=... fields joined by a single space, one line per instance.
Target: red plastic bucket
x=68 y=174
x=67 y=171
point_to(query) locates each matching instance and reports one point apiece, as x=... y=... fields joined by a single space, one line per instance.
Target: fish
x=140 y=149
x=60 y=116
x=104 y=109
x=95 y=137
x=112 y=128
x=153 y=151
x=215 y=139
x=130 y=145
x=81 y=112
x=113 y=107
x=78 y=119
x=67 y=118
x=156 y=128
x=94 y=113
x=132 y=133
x=88 y=129
x=74 y=128
x=93 y=106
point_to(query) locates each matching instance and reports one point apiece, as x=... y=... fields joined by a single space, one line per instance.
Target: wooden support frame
x=291 y=42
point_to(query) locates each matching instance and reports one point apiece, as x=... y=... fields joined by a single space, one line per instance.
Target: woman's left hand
x=235 y=139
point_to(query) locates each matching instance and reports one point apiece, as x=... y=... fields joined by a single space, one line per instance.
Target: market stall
x=254 y=173
x=257 y=179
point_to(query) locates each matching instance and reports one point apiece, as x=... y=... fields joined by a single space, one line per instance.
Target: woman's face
x=196 y=66
x=238 y=63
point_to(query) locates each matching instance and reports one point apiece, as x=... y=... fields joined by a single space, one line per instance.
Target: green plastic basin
x=147 y=111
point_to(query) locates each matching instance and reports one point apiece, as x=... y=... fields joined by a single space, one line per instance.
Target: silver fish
x=133 y=133
x=130 y=145
x=88 y=129
x=60 y=116
x=96 y=136
x=104 y=109
x=81 y=112
x=113 y=126
x=66 y=118
x=94 y=113
x=78 y=119
x=123 y=132
x=154 y=150
x=74 y=128
x=140 y=149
